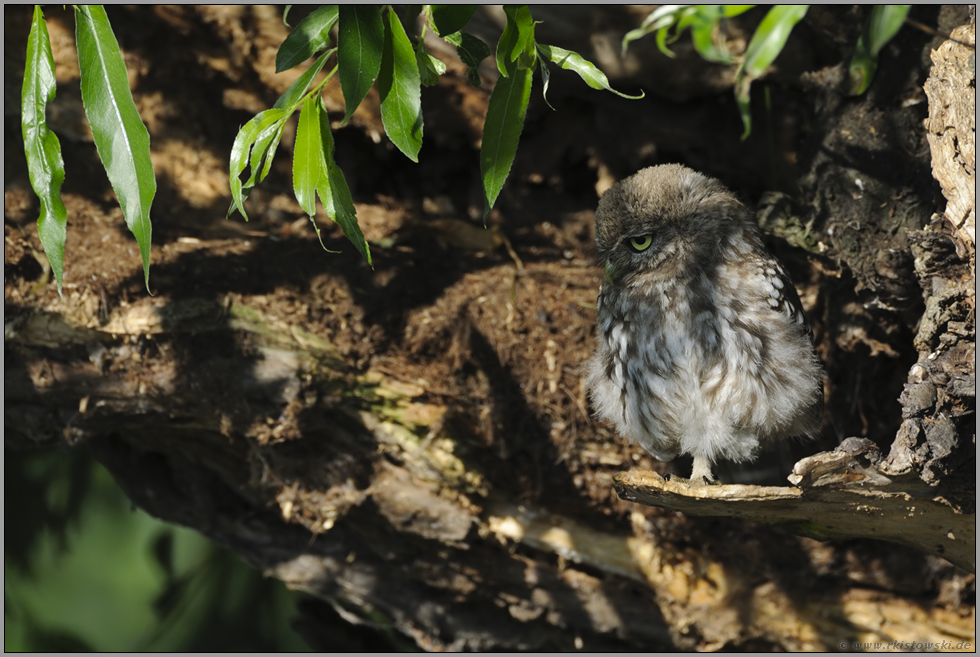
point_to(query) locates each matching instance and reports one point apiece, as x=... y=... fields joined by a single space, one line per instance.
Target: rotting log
x=937 y=439
x=376 y=509
x=951 y=130
x=353 y=492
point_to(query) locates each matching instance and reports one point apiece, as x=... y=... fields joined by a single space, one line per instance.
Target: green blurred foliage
x=706 y=23
x=86 y=570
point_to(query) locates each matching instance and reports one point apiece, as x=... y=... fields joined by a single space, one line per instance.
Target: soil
x=493 y=324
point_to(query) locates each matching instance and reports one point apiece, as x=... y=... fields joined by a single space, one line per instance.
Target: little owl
x=703 y=347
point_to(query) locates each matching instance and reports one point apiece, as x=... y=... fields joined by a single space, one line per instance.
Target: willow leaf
x=120 y=137
x=44 y=163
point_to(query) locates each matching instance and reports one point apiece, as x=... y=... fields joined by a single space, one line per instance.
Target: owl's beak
x=611 y=274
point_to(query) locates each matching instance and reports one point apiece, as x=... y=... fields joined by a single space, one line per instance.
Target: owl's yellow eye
x=641 y=243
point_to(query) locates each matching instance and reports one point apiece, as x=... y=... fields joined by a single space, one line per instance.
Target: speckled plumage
x=703 y=347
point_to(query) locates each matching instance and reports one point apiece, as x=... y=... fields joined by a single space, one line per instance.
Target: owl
x=703 y=347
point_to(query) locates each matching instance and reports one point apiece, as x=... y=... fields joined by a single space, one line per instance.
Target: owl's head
x=666 y=218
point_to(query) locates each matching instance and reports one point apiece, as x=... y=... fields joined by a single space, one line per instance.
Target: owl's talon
x=704 y=480
x=702 y=471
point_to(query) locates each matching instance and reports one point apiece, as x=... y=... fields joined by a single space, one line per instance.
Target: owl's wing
x=781 y=294
x=784 y=299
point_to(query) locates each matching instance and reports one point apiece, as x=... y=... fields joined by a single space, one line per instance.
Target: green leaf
x=257 y=142
x=765 y=46
x=545 y=80
x=400 y=89
x=883 y=23
x=662 y=35
x=502 y=131
x=311 y=35
x=265 y=145
x=309 y=163
x=254 y=135
x=702 y=19
x=572 y=61
x=472 y=51
x=770 y=37
x=728 y=11
x=658 y=21
x=316 y=174
x=516 y=44
x=120 y=137
x=447 y=19
x=335 y=195
x=713 y=14
x=861 y=69
x=360 y=40
x=703 y=35
x=309 y=160
x=263 y=153
x=686 y=19
x=291 y=98
x=506 y=43
x=41 y=146
x=430 y=68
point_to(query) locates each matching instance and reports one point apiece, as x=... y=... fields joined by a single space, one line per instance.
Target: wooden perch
x=838 y=494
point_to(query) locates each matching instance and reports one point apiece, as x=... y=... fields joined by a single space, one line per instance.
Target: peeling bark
x=937 y=439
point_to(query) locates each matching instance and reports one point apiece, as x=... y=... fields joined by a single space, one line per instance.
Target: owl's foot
x=704 y=481
x=701 y=473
